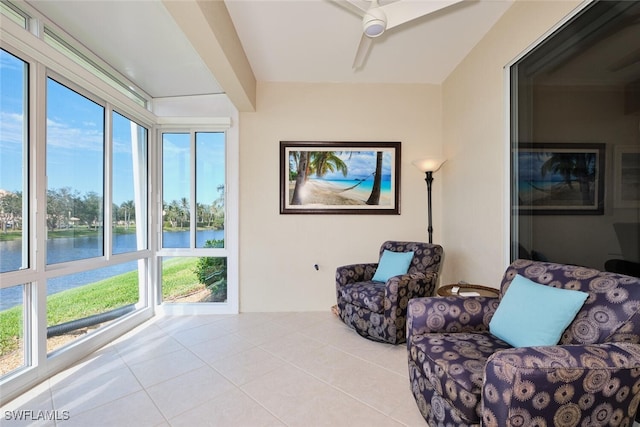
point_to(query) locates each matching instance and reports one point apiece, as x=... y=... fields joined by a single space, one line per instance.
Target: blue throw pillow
x=392 y=264
x=531 y=314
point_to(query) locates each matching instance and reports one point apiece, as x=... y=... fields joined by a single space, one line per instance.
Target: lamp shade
x=429 y=164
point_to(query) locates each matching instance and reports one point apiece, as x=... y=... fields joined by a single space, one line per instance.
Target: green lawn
x=10 y=235
x=179 y=279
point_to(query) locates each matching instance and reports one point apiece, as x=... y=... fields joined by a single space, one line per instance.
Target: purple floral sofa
x=377 y=310
x=462 y=375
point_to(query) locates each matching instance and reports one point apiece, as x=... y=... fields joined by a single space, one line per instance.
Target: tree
x=172 y=213
x=323 y=162
x=11 y=210
x=217 y=209
x=578 y=165
x=128 y=210
x=90 y=209
x=184 y=211
x=201 y=211
x=301 y=177
x=62 y=204
x=307 y=163
x=374 y=198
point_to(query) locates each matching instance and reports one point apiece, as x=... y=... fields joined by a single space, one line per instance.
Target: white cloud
x=63 y=136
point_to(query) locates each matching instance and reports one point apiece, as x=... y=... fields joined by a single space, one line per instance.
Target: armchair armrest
x=408 y=286
x=399 y=291
x=450 y=314
x=596 y=383
x=353 y=273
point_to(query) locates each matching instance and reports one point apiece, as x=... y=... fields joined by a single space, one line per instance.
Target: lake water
x=68 y=249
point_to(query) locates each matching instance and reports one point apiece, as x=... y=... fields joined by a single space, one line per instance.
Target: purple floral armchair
x=462 y=375
x=378 y=310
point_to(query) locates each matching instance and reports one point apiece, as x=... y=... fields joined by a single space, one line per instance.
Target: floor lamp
x=429 y=166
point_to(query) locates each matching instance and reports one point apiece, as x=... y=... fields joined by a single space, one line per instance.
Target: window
x=14 y=14
x=129 y=185
x=14 y=224
x=75 y=175
x=210 y=189
x=193 y=212
x=77 y=151
x=94 y=268
x=176 y=190
x=14 y=75
x=575 y=187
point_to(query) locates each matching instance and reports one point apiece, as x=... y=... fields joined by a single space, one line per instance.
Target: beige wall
x=277 y=252
x=475 y=177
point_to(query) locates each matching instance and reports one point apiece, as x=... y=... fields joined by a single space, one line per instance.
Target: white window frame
x=193 y=125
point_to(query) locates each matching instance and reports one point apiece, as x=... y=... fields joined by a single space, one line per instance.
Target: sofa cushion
x=392 y=264
x=369 y=295
x=454 y=365
x=531 y=314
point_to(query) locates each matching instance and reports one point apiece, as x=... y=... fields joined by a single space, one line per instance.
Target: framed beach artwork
x=560 y=178
x=339 y=177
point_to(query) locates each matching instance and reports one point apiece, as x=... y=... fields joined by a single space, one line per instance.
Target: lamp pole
x=429 y=179
x=429 y=166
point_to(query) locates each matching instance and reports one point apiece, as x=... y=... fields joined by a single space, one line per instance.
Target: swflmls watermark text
x=31 y=415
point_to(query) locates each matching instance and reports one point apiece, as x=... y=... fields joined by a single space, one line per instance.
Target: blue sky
x=210 y=166
x=11 y=77
x=360 y=164
x=75 y=148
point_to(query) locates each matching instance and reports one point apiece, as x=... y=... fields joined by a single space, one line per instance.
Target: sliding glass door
x=575 y=124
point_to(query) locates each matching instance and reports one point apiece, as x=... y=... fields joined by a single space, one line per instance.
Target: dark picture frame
x=320 y=177
x=560 y=178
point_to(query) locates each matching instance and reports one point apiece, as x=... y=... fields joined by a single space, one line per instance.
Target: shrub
x=212 y=271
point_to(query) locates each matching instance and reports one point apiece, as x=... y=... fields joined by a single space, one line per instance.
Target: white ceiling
x=284 y=40
x=316 y=41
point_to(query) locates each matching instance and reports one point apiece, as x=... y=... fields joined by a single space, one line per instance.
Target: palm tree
x=578 y=165
x=173 y=213
x=128 y=209
x=201 y=210
x=323 y=162
x=184 y=210
x=307 y=163
x=374 y=198
x=302 y=161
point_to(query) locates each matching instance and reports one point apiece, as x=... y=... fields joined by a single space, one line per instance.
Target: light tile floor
x=253 y=369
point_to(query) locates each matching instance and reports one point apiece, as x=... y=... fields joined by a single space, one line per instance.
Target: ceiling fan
x=376 y=19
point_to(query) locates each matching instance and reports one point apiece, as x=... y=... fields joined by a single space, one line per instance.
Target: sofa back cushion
x=426 y=256
x=610 y=313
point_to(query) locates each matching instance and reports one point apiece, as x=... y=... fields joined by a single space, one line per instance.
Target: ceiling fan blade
x=363 y=51
x=407 y=10
x=352 y=6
